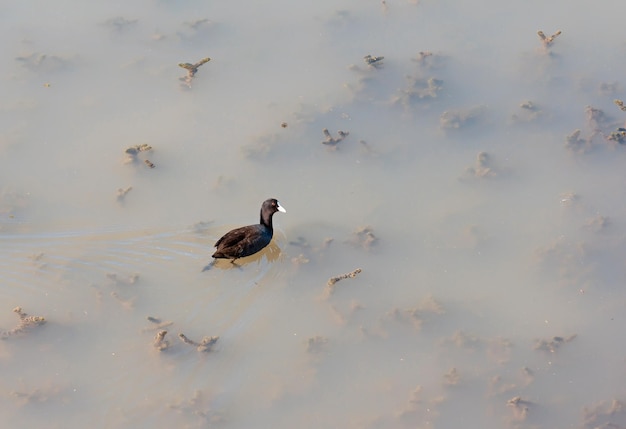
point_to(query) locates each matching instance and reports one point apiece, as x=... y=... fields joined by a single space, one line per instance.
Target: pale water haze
x=467 y=201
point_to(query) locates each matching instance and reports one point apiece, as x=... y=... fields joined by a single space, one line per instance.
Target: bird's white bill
x=281 y=208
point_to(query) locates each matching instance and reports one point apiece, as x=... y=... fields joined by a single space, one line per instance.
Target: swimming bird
x=248 y=240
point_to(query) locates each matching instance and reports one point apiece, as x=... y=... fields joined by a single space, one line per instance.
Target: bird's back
x=244 y=241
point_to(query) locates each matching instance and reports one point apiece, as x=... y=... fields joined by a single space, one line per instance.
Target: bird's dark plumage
x=248 y=240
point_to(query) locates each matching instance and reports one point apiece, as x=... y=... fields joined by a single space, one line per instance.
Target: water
x=471 y=264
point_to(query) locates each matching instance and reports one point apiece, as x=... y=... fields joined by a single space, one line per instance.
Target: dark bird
x=248 y=240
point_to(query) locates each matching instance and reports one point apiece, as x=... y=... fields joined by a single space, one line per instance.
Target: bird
x=248 y=240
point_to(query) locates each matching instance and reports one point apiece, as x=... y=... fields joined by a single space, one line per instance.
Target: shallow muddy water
x=489 y=233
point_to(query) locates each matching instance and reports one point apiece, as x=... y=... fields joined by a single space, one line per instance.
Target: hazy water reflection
x=488 y=230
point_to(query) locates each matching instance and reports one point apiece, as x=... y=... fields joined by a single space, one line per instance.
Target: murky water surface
x=489 y=232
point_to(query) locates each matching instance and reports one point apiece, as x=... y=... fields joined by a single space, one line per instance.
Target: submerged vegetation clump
x=574 y=143
x=332 y=141
x=596 y=118
x=452 y=377
x=419 y=313
x=421 y=86
x=482 y=168
x=350 y=275
x=132 y=154
x=192 y=69
x=606 y=414
x=330 y=285
x=133 y=151
x=160 y=343
x=618 y=136
x=26 y=323
x=119 y=23
x=519 y=407
x=368 y=76
x=43 y=63
x=553 y=344
x=121 y=194
x=158 y=323
x=529 y=112
x=205 y=345
x=547 y=41
x=424 y=89
x=316 y=344
x=363 y=237
x=458 y=118
x=600 y=124
x=197 y=407
x=373 y=61
x=117 y=280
